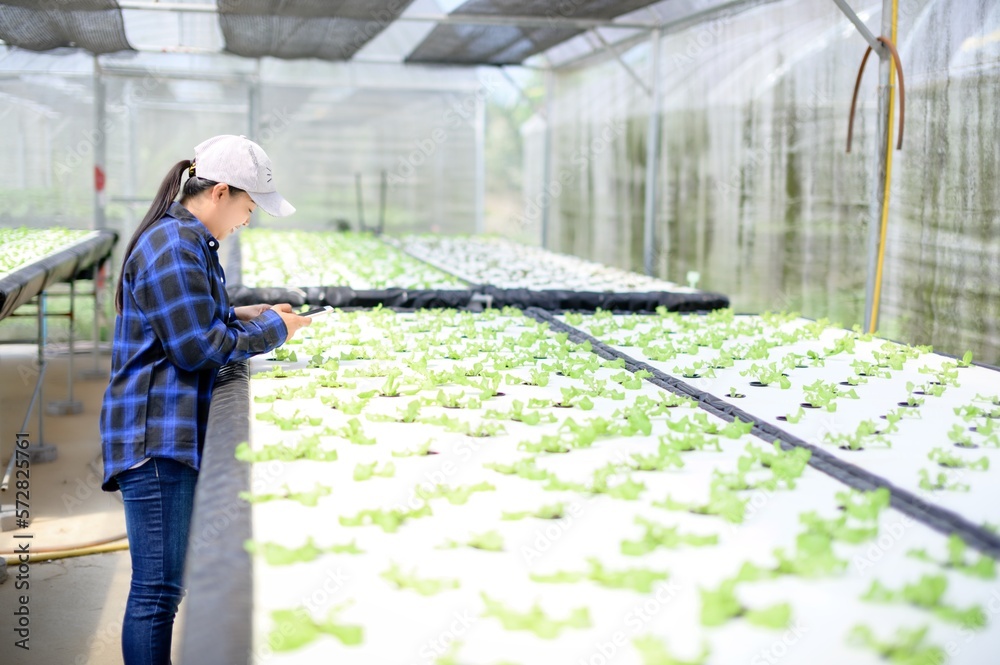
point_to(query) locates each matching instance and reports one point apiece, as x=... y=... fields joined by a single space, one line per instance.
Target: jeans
x=158 y=497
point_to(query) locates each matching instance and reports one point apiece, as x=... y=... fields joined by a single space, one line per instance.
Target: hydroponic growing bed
x=927 y=423
x=510 y=265
x=33 y=259
x=446 y=487
x=361 y=261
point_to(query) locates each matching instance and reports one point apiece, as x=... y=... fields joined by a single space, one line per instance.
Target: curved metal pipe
x=902 y=92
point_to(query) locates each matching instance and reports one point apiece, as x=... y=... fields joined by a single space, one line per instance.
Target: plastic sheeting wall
x=755 y=190
x=321 y=124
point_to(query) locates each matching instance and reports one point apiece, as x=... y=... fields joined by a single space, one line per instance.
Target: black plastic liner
x=933 y=516
x=25 y=283
x=218 y=572
x=342 y=296
x=593 y=300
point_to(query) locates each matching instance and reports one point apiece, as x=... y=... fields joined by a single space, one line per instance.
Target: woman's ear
x=219 y=190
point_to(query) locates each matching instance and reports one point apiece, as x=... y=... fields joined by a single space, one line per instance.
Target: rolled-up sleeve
x=175 y=297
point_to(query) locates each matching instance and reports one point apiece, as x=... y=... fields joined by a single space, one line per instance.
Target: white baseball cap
x=238 y=161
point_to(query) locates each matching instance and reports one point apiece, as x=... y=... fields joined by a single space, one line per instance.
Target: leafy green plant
x=491 y=541
x=388 y=520
x=308 y=447
x=346 y=406
x=927 y=593
x=279 y=372
x=653 y=651
x=906 y=648
x=961 y=437
x=950 y=460
x=535 y=620
x=293 y=629
x=665 y=458
x=292 y=422
x=722 y=502
x=352 y=431
x=367 y=471
x=765 y=375
x=940 y=482
x=984 y=567
x=721 y=605
x=635 y=579
x=524 y=468
x=698 y=369
x=794 y=418
x=423 y=586
x=628 y=489
x=305 y=497
x=276 y=554
x=422 y=450
x=547 y=512
x=866 y=434
x=660 y=536
x=456 y=496
x=691 y=441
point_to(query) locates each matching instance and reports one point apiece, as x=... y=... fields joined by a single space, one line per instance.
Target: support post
x=547 y=158
x=480 y=129
x=652 y=160
x=879 y=199
x=69 y=406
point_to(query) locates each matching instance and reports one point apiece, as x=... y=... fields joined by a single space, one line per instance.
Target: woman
x=174 y=329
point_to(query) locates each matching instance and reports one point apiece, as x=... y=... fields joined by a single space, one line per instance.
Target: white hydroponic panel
x=510 y=265
x=942 y=436
x=303 y=258
x=23 y=246
x=730 y=553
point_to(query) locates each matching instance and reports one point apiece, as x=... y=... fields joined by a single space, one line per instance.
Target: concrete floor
x=76 y=605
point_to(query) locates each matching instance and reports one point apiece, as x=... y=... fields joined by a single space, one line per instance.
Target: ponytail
x=169 y=189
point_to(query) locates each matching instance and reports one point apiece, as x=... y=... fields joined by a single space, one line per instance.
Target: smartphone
x=319 y=311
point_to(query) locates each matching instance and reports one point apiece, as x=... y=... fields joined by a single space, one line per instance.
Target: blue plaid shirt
x=175 y=330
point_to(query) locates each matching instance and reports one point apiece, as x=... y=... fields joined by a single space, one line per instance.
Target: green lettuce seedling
x=653 y=651
x=352 y=431
x=305 y=497
x=293 y=629
x=456 y=496
x=388 y=520
x=950 y=460
x=368 y=471
x=906 y=648
x=535 y=620
x=425 y=586
x=721 y=605
x=276 y=554
x=491 y=541
x=422 y=450
x=308 y=447
x=927 y=593
x=984 y=567
x=940 y=482
x=667 y=537
x=548 y=512
x=292 y=422
x=722 y=502
x=635 y=579
x=524 y=468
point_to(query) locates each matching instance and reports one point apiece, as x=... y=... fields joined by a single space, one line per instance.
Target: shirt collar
x=177 y=211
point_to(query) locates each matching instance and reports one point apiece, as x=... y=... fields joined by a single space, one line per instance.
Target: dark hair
x=165 y=195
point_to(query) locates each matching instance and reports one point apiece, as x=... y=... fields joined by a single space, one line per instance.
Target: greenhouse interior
x=579 y=300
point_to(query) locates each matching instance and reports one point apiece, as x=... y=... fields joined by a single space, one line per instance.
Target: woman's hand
x=292 y=321
x=248 y=312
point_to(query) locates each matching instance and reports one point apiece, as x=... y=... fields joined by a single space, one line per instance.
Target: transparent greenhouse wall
x=423 y=140
x=755 y=190
x=46 y=116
